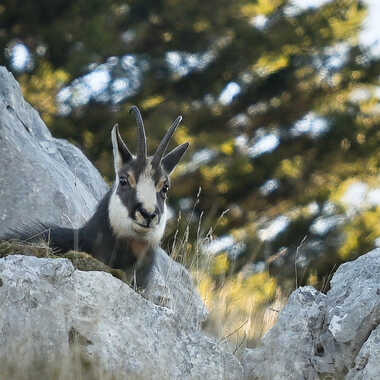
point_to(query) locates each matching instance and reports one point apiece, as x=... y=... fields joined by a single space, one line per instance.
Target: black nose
x=146 y=215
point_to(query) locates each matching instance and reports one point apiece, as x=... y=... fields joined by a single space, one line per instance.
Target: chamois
x=130 y=220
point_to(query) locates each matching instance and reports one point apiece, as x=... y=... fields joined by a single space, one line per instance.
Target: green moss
x=76 y=365
x=84 y=261
x=13 y=247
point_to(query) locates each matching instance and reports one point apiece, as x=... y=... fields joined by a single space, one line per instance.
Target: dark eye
x=165 y=189
x=123 y=181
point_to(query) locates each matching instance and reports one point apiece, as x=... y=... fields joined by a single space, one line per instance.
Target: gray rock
x=171 y=286
x=288 y=349
x=335 y=335
x=82 y=168
x=41 y=178
x=43 y=301
x=353 y=305
x=367 y=361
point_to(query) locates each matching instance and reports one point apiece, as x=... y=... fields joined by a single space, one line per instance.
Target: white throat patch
x=146 y=192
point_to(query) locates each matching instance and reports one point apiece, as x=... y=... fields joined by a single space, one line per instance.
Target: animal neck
x=128 y=253
x=139 y=248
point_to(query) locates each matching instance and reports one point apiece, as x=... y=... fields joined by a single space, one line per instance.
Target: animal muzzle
x=146 y=218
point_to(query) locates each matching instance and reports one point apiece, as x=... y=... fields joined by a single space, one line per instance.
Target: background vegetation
x=280 y=104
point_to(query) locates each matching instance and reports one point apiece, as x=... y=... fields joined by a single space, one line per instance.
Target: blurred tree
x=279 y=103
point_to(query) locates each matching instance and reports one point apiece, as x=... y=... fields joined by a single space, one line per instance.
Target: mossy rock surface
x=80 y=260
x=14 y=247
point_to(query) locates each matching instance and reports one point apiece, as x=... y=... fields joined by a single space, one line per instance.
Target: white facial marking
x=146 y=192
x=159 y=230
x=119 y=218
x=125 y=227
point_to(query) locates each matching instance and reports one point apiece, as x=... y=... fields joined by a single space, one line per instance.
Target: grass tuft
x=80 y=260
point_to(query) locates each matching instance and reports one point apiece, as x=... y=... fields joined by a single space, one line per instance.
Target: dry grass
x=80 y=260
x=242 y=308
x=241 y=311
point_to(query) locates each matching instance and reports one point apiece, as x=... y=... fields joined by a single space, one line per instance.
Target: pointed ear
x=121 y=154
x=170 y=161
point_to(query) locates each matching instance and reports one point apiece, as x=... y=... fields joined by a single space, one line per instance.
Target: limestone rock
x=41 y=178
x=354 y=306
x=45 y=302
x=288 y=348
x=171 y=286
x=326 y=336
x=368 y=359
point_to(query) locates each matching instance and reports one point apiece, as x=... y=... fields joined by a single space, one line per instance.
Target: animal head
x=137 y=207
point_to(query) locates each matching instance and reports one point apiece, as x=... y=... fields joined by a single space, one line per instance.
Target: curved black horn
x=165 y=142
x=141 y=152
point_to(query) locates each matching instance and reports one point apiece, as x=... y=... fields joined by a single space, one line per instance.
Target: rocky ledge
x=49 y=309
